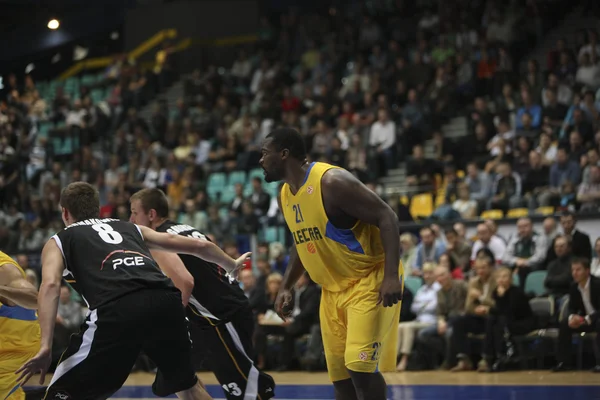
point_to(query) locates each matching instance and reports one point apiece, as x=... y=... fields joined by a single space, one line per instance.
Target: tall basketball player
x=347 y=239
x=132 y=305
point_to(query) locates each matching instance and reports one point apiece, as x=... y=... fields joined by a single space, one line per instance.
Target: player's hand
x=283 y=303
x=239 y=264
x=40 y=363
x=390 y=292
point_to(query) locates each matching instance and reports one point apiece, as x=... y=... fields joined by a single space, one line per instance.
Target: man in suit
x=581 y=246
x=305 y=313
x=584 y=312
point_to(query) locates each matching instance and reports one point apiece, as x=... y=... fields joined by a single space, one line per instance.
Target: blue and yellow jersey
x=335 y=258
x=19 y=327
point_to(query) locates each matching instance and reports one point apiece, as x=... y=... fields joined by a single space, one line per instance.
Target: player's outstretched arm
x=52 y=270
x=196 y=247
x=174 y=268
x=17 y=289
x=342 y=191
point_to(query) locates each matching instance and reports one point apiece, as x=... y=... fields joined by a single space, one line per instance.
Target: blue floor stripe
x=325 y=392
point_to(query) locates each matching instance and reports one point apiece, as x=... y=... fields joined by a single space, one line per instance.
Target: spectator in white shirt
x=76 y=115
x=383 y=137
x=424 y=305
x=592 y=48
x=485 y=239
x=588 y=72
x=242 y=67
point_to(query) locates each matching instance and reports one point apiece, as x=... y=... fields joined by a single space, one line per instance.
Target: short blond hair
x=429 y=267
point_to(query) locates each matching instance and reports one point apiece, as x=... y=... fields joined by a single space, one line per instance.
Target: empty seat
x=535 y=283
x=236 y=177
x=421 y=205
x=413 y=284
x=517 y=213
x=545 y=210
x=492 y=214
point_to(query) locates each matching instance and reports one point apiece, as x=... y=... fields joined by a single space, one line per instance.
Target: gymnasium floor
x=417 y=386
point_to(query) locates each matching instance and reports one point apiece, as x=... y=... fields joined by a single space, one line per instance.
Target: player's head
x=149 y=207
x=79 y=201
x=281 y=147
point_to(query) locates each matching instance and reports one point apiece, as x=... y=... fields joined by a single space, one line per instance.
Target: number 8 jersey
x=106 y=259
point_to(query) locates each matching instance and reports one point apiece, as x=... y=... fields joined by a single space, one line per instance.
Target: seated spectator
x=554 y=112
x=305 y=313
x=595 y=264
x=526 y=128
x=408 y=246
x=477 y=306
x=588 y=73
x=547 y=149
x=68 y=319
x=448 y=262
x=451 y=298
x=464 y=204
x=558 y=278
x=510 y=314
x=247 y=282
x=506 y=189
x=486 y=239
x=529 y=107
x=584 y=303
x=526 y=251
x=383 y=138
x=429 y=250
x=588 y=194
x=265 y=307
x=562 y=170
x=259 y=198
x=424 y=306
x=536 y=180
x=458 y=249
x=581 y=246
x=562 y=92
x=420 y=171
x=479 y=183
x=590 y=159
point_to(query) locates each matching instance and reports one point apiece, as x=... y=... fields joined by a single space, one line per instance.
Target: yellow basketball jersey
x=19 y=327
x=335 y=258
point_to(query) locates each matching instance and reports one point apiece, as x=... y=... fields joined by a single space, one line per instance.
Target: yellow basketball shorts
x=9 y=363
x=357 y=332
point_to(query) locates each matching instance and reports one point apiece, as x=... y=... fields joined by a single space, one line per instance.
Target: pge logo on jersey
x=126 y=258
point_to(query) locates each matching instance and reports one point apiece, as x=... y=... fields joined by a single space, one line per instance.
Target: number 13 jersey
x=334 y=258
x=106 y=259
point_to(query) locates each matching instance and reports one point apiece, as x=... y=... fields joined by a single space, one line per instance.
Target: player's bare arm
x=196 y=247
x=52 y=270
x=346 y=200
x=16 y=290
x=173 y=267
x=293 y=272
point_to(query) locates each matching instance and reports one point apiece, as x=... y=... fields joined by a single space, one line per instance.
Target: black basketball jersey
x=106 y=259
x=216 y=294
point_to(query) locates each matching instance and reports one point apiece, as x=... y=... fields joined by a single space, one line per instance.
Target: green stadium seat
x=236 y=177
x=216 y=183
x=44 y=129
x=516 y=281
x=63 y=146
x=255 y=173
x=224 y=212
x=413 y=284
x=87 y=80
x=270 y=234
x=228 y=194
x=97 y=95
x=535 y=283
x=272 y=188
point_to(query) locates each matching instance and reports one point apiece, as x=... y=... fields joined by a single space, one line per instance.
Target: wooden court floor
x=428 y=385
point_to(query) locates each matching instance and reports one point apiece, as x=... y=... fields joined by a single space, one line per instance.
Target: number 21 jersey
x=106 y=259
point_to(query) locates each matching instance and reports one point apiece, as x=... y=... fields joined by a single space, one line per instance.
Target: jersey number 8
x=107 y=233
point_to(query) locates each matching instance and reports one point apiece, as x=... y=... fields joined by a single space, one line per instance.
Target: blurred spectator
x=429 y=250
x=526 y=251
x=479 y=183
x=588 y=194
x=536 y=180
x=559 y=277
x=487 y=240
x=588 y=73
x=408 y=245
x=506 y=189
x=530 y=108
x=464 y=204
x=580 y=241
x=595 y=264
x=419 y=171
x=383 y=138
x=561 y=171
x=424 y=306
x=584 y=303
x=266 y=314
x=550 y=231
x=248 y=282
x=259 y=199
x=477 y=307
x=458 y=249
x=510 y=316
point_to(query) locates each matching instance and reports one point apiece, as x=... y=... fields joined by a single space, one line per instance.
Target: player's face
x=271 y=162
x=138 y=215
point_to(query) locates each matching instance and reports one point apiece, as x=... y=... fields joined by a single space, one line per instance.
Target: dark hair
x=486 y=253
x=450 y=230
x=290 y=139
x=568 y=214
x=581 y=261
x=81 y=200
x=153 y=199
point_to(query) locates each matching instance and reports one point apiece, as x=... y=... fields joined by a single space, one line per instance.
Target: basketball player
x=217 y=306
x=132 y=305
x=347 y=238
x=19 y=328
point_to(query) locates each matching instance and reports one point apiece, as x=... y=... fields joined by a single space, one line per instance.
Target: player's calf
x=369 y=385
x=344 y=390
x=196 y=392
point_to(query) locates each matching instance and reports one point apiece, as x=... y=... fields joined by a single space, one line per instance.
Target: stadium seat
x=224 y=212
x=421 y=205
x=535 y=283
x=530 y=346
x=227 y=194
x=255 y=173
x=413 y=284
x=517 y=213
x=216 y=183
x=236 y=177
x=545 y=210
x=516 y=281
x=460 y=174
x=270 y=234
x=272 y=188
x=440 y=198
x=404 y=200
x=492 y=214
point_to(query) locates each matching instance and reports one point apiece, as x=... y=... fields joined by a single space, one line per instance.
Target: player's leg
x=231 y=359
x=167 y=342
x=369 y=325
x=333 y=331
x=9 y=363
x=98 y=359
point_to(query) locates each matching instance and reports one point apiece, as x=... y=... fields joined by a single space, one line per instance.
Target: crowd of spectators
x=365 y=91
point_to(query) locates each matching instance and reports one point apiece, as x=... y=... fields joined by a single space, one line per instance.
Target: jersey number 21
x=299 y=217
